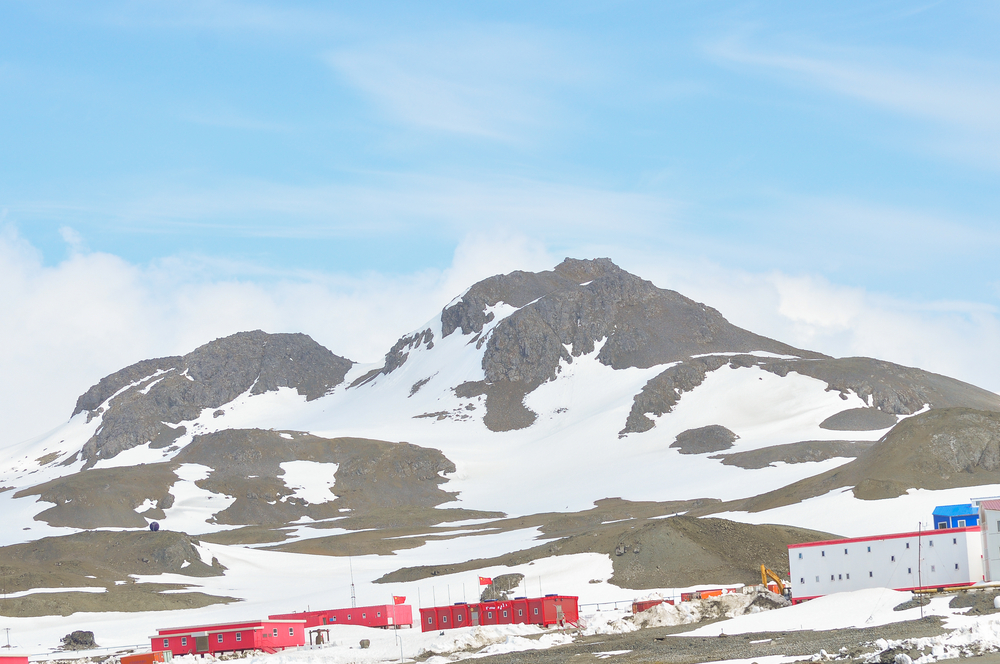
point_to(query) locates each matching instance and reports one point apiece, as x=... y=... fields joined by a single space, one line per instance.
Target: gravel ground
x=659 y=644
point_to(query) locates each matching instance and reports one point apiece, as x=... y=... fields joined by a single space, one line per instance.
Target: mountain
x=569 y=425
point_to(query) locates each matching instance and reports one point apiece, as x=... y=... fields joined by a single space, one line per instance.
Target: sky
x=824 y=173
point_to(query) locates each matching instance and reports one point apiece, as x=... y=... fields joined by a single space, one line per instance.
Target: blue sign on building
x=955 y=516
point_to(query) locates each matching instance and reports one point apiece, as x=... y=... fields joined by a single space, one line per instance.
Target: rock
x=79 y=640
x=153 y=394
x=712 y=438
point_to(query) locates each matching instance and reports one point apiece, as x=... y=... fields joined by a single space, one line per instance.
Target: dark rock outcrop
x=858 y=419
x=713 y=438
x=208 y=377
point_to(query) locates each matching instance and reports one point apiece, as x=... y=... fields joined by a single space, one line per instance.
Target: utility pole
x=7 y=629
x=354 y=599
x=920 y=578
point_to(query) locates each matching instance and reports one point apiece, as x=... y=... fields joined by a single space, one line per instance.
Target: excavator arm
x=766 y=574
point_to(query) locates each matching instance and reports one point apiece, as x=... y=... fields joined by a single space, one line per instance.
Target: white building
x=989 y=522
x=904 y=561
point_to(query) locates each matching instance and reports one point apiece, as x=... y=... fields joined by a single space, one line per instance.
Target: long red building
x=267 y=635
x=548 y=610
x=381 y=615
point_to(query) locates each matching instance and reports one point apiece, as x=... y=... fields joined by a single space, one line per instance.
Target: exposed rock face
x=713 y=438
x=663 y=391
x=892 y=389
x=79 y=640
x=940 y=449
x=859 y=419
x=565 y=313
x=208 y=377
x=808 y=451
x=642 y=326
x=369 y=475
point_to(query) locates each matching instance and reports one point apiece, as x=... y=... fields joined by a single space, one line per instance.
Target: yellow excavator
x=766 y=574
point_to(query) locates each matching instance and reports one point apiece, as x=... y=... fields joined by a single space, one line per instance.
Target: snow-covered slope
x=531 y=394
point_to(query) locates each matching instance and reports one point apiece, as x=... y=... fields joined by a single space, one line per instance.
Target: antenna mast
x=354 y=599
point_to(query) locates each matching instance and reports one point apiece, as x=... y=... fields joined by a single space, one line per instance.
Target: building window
x=536 y=608
x=956 y=565
x=930 y=542
x=961 y=523
x=444 y=619
x=275 y=632
x=817 y=579
x=239 y=636
x=800 y=555
x=184 y=640
x=909 y=570
x=954 y=540
x=869 y=549
x=892 y=559
x=218 y=638
x=822 y=554
x=848 y=577
x=520 y=612
x=348 y=616
x=459 y=618
x=932 y=568
x=845 y=552
x=334 y=619
x=489 y=614
x=802 y=580
x=504 y=614
x=291 y=631
x=363 y=616
x=832 y=577
x=166 y=643
x=378 y=614
x=907 y=545
x=869 y=575
x=430 y=620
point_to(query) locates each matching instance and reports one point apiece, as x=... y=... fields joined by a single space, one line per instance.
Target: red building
x=548 y=610
x=638 y=606
x=13 y=659
x=382 y=615
x=267 y=635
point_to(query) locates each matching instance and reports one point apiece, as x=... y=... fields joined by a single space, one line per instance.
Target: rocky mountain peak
x=148 y=396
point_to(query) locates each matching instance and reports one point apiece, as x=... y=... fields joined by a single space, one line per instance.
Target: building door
x=201 y=643
x=475 y=616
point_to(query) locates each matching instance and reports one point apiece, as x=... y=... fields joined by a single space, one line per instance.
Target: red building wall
x=381 y=615
x=548 y=610
x=266 y=635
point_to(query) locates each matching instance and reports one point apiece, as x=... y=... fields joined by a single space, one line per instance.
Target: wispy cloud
x=384 y=203
x=494 y=83
x=961 y=97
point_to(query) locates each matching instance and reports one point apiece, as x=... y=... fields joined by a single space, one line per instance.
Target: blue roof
x=955 y=510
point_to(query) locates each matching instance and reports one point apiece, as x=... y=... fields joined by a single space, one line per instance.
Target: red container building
x=13 y=659
x=381 y=615
x=639 y=606
x=267 y=635
x=548 y=610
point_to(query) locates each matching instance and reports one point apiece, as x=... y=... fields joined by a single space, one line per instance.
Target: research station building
x=938 y=558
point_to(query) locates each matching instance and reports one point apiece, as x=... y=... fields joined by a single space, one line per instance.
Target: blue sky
x=803 y=167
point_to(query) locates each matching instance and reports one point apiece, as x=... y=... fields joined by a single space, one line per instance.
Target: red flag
x=485 y=580
x=397 y=599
